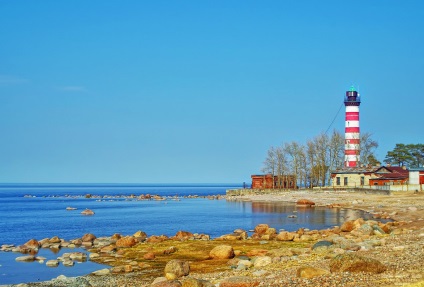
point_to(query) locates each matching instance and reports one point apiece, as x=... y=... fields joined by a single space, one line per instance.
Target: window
x=338 y=180
x=362 y=180
x=345 y=181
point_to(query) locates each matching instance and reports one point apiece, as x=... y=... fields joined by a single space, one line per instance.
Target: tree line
x=311 y=163
x=410 y=155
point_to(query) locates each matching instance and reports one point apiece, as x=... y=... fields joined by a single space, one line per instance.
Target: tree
x=335 y=152
x=417 y=154
x=281 y=164
x=372 y=160
x=399 y=156
x=317 y=151
x=411 y=155
x=367 y=148
x=270 y=163
x=296 y=154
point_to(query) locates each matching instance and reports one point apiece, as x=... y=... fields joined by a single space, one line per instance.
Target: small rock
x=149 y=256
x=262 y=261
x=27 y=258
x=78 y=256
x=305 y=202
x=52 y=263
x=170 y=250
x=101 y=272
x=127 y=241
x=87 y=212
x=68 y=263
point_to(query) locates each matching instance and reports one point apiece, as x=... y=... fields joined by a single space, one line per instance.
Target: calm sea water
x=39 y=211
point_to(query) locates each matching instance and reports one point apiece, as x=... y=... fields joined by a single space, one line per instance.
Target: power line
x=334 y=118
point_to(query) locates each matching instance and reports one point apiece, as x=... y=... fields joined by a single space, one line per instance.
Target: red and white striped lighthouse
x=352 y=137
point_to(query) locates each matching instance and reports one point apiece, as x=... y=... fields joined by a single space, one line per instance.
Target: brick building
x=266 y=181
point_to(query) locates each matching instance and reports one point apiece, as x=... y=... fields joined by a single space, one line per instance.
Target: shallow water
x=44 y=215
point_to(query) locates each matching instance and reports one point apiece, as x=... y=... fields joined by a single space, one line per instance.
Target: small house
x=369 y=175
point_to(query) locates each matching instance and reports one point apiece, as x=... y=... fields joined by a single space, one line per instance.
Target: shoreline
x=407 y=244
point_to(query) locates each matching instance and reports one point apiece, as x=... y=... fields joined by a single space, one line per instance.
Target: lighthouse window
x=345 y=181
x=338 y=180
x=362 y=180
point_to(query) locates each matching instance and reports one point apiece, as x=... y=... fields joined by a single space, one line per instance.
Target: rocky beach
x=387 y=250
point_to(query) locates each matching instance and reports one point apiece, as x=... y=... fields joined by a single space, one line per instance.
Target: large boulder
x=115 y=237
x=183 y=235
x=176 y=268
x=348 y=226
x=286 y=236
x=222 y=252
x=140 y=235
x=88 y=237
x=32 y=244
x=127 y=241
x=308 y=272
x=350 y=262
x=261 y=229
x=55 y=239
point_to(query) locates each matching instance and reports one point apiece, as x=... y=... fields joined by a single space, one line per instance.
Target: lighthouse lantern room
x=352 y=136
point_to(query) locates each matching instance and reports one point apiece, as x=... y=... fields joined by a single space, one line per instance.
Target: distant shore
x=400 y=249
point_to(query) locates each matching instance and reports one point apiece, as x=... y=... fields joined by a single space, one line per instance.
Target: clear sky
x=197 y=91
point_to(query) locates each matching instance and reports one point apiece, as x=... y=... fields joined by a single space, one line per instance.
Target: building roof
x=361 y=169
x=381 y=172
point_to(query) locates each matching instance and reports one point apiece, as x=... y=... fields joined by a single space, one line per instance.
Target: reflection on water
x=288 y=216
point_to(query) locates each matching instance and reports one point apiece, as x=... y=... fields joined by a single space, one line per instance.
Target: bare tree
x=335 y=152
x=270 y=163
x=367 y=148
x=296 y=154
x=281 y=164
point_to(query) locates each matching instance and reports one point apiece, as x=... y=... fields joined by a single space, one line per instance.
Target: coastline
x=401 y=250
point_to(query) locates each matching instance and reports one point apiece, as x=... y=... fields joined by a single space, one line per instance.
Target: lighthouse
x=352 y=139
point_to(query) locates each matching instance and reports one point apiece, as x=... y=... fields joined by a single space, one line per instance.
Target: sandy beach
x=399 y=250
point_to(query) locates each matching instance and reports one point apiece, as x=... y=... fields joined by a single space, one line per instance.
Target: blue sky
x=197 y=91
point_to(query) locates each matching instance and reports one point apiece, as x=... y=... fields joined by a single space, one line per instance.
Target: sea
x=37 y=211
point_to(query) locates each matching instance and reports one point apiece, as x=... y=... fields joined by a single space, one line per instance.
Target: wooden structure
x=268 y=181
